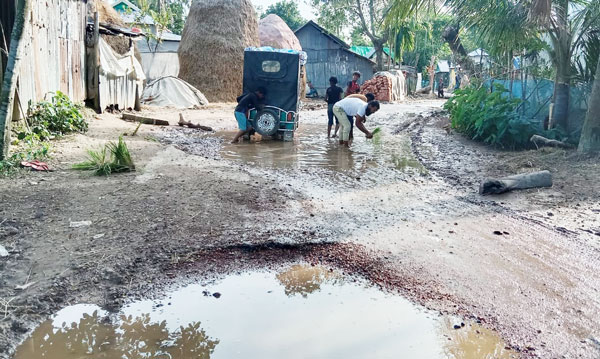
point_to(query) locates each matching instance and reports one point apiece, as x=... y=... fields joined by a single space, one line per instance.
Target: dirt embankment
x=572 y=205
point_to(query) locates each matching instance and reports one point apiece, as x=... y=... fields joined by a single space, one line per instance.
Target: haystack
x=211 y=52
x=120 y=44
x=274 y=32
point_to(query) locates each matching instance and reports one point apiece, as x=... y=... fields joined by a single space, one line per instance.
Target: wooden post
x=92 y=66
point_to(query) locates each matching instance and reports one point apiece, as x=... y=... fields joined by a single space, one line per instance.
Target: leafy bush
x=490 y=117
x=112 y=158
x=58 y=117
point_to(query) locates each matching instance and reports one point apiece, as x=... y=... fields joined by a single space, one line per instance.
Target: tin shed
x=329 y=56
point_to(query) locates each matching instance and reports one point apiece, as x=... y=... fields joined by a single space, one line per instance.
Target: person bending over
x=367 y=98
x=356 y=108
x=245 y=102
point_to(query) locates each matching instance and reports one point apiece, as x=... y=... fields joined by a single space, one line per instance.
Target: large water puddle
x=302 y=311
x=312 y=148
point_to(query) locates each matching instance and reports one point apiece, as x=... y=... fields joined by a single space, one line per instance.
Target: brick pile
x=380 y=86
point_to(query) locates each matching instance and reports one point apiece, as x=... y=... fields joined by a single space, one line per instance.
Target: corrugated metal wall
x=327 y=58
x=54 y=50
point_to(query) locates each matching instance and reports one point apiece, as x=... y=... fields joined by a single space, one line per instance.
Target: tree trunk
x=590 y=134
x=511 y=72
x=562 y=83
x=379 y=54
x=560 y=110
x=450 y=35
x=432 y=75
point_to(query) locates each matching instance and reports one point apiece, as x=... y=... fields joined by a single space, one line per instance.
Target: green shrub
x=490 y=117
x=58 y=117
x=112 y=158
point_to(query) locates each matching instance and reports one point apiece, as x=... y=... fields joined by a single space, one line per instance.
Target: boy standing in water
x=333 y=95
x=246 y=102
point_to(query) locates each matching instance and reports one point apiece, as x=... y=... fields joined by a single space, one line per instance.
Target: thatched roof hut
x=211 y=53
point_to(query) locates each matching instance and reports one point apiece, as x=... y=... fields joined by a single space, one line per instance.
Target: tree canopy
x=288 y=11
x=177 y=11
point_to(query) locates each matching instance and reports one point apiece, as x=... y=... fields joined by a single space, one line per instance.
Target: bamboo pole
x=9 y=85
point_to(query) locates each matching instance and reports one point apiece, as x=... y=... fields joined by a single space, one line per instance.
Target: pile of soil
x=211 y=53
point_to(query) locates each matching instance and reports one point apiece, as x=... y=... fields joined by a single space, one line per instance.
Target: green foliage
x=172 y=17
x=419 y=40
x=28 y=150
x=58 y=117
x=358 y=38
x=288 y=11
x=490 y=117
x=112 y=158
x=333 y=16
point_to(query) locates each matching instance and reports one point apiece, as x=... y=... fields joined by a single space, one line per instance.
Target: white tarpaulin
x=121 y=78
x=160 y=64
x=174 y=92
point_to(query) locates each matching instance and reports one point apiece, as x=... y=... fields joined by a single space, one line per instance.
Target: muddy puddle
x=301 y=311
x=312 y=148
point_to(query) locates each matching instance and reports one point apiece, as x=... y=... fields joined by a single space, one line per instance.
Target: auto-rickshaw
x=278 y=71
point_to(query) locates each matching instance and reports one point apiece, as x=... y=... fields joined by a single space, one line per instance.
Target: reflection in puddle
x=300 y=312
x=312 y=148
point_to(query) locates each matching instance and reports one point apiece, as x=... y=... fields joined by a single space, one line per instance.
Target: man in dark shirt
x=246 y=102
x=333 y=95
x=353 y=86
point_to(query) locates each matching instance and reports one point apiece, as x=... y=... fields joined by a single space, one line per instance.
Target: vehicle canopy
x=278 y=71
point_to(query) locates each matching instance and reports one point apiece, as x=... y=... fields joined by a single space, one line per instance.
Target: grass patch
x=114 y=157
x=27 y=151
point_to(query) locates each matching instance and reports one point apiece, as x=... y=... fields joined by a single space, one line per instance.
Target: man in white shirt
x=350 y=107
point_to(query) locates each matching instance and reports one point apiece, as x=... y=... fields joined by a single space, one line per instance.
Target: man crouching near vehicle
x=246 y=102
x=353 y=107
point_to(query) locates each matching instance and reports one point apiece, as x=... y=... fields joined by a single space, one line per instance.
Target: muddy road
x=399 y=213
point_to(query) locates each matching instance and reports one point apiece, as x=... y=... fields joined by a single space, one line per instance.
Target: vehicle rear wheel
x=267 y=122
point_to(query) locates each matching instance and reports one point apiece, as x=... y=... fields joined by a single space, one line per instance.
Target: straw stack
x=211 y=53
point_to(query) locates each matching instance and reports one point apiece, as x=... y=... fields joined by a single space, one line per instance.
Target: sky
x=305 y=10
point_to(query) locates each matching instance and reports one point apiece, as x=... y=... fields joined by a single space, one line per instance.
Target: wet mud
x=399 y=214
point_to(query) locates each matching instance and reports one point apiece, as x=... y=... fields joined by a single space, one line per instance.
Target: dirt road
x=401 y=211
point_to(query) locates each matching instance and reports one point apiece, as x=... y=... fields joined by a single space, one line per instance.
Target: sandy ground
x=423 y=231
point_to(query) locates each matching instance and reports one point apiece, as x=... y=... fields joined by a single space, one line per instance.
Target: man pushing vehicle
x=353 y=107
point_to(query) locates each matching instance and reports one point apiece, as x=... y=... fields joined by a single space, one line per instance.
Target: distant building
x=480 y=58
x=442 y=70
x=330 y=56
x=131 y=15
x=160 y=59
x=369 y=52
